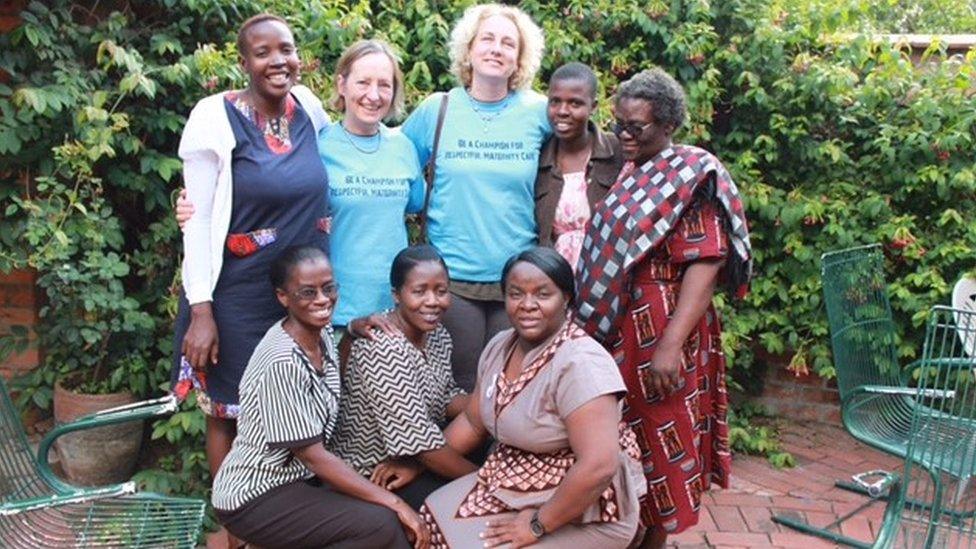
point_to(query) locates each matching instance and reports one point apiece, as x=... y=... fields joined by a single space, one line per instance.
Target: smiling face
x=423 y=298
x=312 y=312
x=570 y=105
x=270 y=59
x=367 y=92
x=494 y=51
x=535 y=305
x=654 y=137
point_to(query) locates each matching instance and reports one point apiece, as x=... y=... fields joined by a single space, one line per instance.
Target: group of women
x=588 y=367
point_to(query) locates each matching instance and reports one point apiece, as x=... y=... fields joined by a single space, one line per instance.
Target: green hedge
x=834 y=142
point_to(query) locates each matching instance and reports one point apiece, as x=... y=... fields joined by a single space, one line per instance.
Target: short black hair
x=576 y=71
x=662 y=91
x=550 y=262
x=410 y=257
x=250 y=22
x=283 y=265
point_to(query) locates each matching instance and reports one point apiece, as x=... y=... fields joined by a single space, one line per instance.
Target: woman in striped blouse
x=279 y=486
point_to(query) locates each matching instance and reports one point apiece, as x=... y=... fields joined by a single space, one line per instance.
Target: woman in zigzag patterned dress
x=398 y=389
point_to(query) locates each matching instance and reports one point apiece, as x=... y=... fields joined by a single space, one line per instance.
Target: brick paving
x=742 y=515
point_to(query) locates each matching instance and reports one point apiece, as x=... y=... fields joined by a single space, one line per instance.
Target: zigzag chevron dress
x=394 y=399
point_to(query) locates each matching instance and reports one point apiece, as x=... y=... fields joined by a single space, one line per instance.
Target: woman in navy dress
x=252 y=168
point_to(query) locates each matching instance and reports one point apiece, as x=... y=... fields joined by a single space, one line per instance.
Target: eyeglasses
x=632 y=129
x=308 y=293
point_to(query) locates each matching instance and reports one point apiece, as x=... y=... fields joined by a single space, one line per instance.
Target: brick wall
x=19 y=302
x=19 y=299
x=9 y=19
x=807 y=397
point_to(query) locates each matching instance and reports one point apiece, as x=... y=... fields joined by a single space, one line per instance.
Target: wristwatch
x=535 y=526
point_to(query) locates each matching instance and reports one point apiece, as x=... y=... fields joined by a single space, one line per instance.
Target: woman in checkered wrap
x=669 y=230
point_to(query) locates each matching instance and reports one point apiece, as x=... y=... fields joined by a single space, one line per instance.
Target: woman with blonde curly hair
x=485 y=160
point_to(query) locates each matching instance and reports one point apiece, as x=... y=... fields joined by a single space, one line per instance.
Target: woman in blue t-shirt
x=480 y=211
x=374 y=178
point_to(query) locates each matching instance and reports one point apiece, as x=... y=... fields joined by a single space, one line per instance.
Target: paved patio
x=742 y=515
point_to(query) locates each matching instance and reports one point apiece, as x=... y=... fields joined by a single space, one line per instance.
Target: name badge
x=491 y=387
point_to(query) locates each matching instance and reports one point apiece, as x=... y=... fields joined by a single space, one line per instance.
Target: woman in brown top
x=577 y=164
x=562 y=473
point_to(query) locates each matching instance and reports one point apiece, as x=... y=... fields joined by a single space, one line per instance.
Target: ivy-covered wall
x=835 y=138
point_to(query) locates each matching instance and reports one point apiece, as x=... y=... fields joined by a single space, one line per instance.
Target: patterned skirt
x=683 y=436
x=513 y=479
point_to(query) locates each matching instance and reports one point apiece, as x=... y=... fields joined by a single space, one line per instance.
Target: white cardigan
x=206 y=148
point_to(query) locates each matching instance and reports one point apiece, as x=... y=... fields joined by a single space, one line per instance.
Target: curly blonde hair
x=531 y=43
x=354 y=53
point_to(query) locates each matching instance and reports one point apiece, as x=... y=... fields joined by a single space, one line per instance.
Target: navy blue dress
x=280 y=199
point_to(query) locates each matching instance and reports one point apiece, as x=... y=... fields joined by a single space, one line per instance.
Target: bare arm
x=694 y=297
x=446 y=462
x=457 y=405
x=593 y=436
x=201 y=341
x=467 y=431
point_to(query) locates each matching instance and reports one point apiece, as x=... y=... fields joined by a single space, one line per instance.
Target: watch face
x=536 y=527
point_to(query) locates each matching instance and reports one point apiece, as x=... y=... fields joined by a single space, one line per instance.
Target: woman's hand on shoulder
x=514 y=530
x=184 y=209
x=363 y=326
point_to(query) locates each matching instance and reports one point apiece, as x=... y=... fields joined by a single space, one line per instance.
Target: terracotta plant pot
x=104 y=455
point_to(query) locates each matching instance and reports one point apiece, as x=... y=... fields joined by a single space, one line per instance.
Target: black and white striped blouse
x=393 y=399
x=285 y=404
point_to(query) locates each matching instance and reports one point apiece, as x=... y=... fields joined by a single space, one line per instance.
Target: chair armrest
x=80 y=496
x=856 y=398
x=906 y=391
x=130 y=412
x=940 y=363
x=953 y=363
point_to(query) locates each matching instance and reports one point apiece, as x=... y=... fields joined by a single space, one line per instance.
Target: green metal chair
x=876 y=401
x=37 y=509
x=934 y=502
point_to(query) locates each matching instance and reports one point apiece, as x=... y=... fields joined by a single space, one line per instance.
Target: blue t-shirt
x=481 y=209
x=371 y=185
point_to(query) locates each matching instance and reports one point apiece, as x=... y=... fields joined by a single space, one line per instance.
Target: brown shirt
x=533 y=453
x=601 y=172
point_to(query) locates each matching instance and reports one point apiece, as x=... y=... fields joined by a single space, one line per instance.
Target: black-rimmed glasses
x=632 y=129
x=308 y=293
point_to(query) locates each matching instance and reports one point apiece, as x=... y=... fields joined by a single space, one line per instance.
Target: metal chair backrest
x=937 y=500
x=862 y=332
x=18 y=469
